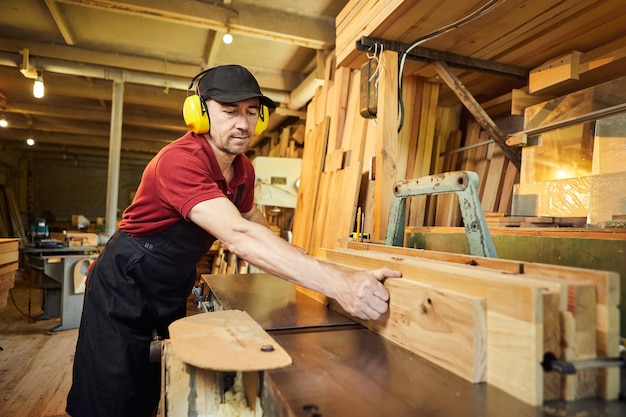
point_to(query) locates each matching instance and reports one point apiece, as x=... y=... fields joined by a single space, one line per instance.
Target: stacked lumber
x=500 y=220
x=404 y=20
x=286 y=144
x=349 y=161
x=497 y=174
x=9 y=263
x=331 y=162
x=492 y=320
x=577 y=68
x=226 y=262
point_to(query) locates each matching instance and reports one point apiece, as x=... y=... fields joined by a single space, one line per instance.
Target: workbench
x=341 y=368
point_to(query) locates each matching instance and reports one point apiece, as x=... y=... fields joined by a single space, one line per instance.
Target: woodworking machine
x=341 y=368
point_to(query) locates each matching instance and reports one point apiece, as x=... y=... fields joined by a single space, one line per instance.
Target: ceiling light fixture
x=3 y=121
x=38 y=86
x=30 y=141
x=227 y=38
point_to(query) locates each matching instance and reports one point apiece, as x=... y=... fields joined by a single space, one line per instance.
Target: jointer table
x=341 y=368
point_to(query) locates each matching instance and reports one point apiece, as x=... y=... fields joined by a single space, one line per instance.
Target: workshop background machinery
x=60 y=273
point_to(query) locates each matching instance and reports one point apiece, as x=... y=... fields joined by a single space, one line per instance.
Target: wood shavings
x=235 y=405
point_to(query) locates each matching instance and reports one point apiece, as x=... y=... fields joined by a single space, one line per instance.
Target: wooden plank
x=318 y=225
x=334 y=160
x=520 y=99
x=312 y=166
x=355 y=129
x=423 y=156
x=9 y=245
x=10 y=267
x=493 y=181
x=386 y=141
x=448 y=209
x=597 y=65
x=607 y=283
x=511 y=177
x=483 y=159
x=558 y=70
x=433 y=322
x=514 y=316
x=285 y=134
x=412 y=89
x=606 y=299
x=344 y=193
x=337 y=107
x=9 y=257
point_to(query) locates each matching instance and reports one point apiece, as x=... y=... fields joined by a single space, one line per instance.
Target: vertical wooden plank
x=312 y=165
x=285 y=133
x=355 y=127
x=493 y=181
x=408 y=136
x=386 y=141
x=321 y=209
x=423 y=157
x=338 y=103
x=448 y=210
x=511 y=177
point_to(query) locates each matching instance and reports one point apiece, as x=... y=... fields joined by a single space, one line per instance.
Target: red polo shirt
x=183 y=174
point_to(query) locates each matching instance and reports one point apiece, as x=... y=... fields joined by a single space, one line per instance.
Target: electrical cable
x=445 y=29
x=18 y=309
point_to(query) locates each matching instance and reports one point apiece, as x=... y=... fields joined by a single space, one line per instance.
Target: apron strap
x=239 y=193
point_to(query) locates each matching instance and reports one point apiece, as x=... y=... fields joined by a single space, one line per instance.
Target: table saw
x=55 y=270
x=341 y=368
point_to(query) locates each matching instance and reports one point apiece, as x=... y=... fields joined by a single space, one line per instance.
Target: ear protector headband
x=196 y=115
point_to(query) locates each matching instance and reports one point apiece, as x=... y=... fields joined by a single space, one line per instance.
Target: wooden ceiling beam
x=273 y=25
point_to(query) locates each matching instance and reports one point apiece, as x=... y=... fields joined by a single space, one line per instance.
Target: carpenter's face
x=232 y=124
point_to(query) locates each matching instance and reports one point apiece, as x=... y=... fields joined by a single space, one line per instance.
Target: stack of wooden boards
x=9 y=257
x=225 y=261
x=349 y=161
x=492 y=320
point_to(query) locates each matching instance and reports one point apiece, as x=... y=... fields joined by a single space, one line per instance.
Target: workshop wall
x=63 y=188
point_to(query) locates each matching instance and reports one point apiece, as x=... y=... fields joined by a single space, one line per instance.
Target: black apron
x=136 y=285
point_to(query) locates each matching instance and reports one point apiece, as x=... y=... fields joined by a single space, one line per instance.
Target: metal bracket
x=367 y=43
x=551 y=363
x=465 y=185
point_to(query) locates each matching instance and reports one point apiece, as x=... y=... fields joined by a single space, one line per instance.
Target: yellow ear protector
x=196 y=115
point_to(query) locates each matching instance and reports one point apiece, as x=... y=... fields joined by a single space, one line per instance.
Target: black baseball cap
x=230 y=84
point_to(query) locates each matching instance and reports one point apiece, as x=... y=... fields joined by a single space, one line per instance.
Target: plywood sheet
x=235 y=340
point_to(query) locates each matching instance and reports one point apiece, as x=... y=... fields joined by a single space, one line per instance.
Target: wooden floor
x=35 y=364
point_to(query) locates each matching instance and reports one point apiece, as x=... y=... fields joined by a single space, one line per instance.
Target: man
x=197 y=189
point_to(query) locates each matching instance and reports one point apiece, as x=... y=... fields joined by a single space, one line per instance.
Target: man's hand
x=364 y=296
